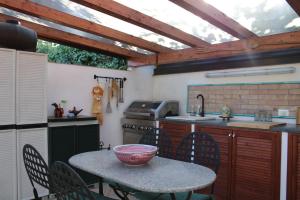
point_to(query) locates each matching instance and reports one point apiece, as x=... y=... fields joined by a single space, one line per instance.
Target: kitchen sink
x=190 y=118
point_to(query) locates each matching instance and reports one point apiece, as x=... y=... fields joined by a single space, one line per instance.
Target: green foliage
x=68 y=55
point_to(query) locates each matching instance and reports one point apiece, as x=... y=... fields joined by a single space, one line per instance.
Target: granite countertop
x=71 y=119
x=160 y=175
x=290 y=128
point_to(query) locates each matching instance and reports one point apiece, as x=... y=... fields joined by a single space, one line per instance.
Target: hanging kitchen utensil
x=115 y=88
x=121 y=99
x=97 y=93
x=108 y=106
x=118 y=93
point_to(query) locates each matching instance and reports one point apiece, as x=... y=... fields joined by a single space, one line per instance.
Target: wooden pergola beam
x=241 y=47
x=56 y=35
x=295 y=4
x=46 y=13
x=142 y=61
x=127 y=14
x=215 y=17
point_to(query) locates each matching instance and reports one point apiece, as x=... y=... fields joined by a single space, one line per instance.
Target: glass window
x=111 y=22
x=263 y=17
x=71 y=30
x=170 y=13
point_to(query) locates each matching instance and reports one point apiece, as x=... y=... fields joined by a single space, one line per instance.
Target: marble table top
x=159 y=175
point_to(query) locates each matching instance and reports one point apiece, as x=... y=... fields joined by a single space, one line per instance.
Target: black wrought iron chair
x=202 y=149
x=68 y=185
x=160 y=138
x=156 y=137
x=36 y=168
x=198 y=148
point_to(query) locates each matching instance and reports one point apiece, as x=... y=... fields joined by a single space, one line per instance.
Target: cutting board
x=257 y=125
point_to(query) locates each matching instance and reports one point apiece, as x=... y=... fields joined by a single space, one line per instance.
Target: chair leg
x=173 y=197
x=188 y=197
x=35 y=193
x=119 y=192
x=101 y=186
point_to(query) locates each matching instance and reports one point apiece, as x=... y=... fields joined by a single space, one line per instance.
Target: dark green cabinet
x=61 y=143
x=68 y=140
x=88 y=138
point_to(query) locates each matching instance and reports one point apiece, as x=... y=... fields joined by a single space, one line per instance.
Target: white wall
x=74 y=84
x=167 y=87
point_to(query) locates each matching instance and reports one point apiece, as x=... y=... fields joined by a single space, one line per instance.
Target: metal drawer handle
x=233 y=135
x=229 y=135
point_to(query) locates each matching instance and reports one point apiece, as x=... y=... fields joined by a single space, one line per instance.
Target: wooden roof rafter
x=252 y=43
x=46 y=13
x=48 y=33
x=215 y=17
x=127 y=14
x=241 y=47
x=295 y=4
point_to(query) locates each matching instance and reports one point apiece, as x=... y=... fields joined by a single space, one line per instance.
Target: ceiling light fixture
x=251 y=72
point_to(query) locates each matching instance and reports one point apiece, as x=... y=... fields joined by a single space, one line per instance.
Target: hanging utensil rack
x=121 y=81
x=109 y=78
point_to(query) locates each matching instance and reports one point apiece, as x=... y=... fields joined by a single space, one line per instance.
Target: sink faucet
x=201 y=112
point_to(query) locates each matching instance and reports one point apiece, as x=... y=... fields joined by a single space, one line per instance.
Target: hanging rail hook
x=109 y=78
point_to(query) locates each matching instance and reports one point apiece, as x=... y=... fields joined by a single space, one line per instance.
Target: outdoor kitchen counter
x=290 y=128
x=70 y=119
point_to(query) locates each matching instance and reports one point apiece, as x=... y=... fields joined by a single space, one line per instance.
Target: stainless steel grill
x=141 y=116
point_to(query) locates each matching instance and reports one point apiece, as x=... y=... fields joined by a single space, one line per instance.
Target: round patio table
x=159 y=175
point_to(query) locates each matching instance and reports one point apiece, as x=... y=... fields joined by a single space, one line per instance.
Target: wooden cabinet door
x=255 y=165
x=222 y=183
x=176 y=130
x=293 y=176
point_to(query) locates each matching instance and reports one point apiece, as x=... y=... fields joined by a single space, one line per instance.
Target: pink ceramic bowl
x=135 y=154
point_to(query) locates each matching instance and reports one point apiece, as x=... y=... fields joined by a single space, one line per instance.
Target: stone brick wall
x=247 y=98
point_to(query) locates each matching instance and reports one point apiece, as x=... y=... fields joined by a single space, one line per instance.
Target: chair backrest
x=36 y=167
x=67 y=184
x=158 y=137
x=202 y=149
x=199 y=148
